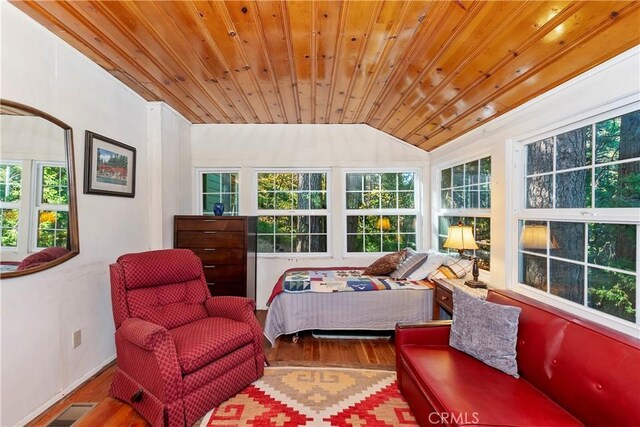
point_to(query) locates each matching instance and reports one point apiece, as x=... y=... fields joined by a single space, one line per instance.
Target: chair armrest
x=428 y=333
x=242 y=310
x=236 y=308
x=142 y=333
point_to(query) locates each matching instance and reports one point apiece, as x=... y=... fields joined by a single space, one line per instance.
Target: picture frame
x=109 y=166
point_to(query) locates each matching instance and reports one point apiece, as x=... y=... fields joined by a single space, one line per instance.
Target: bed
x=344 y=299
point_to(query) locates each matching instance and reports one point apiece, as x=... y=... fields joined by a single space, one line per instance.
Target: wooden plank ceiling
x=422 y=71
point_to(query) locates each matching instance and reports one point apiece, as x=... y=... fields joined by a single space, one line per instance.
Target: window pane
x=266 y=224
x=406 y=181
x=471 y=171
x=485 y=169
x=568 y=240
x=218 y=187
x=406 y=200
x=533 y=271
x=618 y=186
x=301 y=224
x=389 y=200
x=618 y=138
x=446 y=199
x=534 y=236
x=284 y=243
x=301 y=243
x=266 y=243
x=355 y=243
x=471 y=198
x=318 y=224
x=539 y=192
x=354 y=224
x=485 y=196
x=613 y=245
x=266 y=200
x=10 y=182
x=573 y=148
x=483 y=231
x=458 y=199
x=318 y=200
x=458 y=176
x=354 y=182
x=389 y=181
x=371 y=182
x=445 y=178
x=407 y=223
x=567 y=280
x=613 y=293
x=573 y=189
x=283 y=224
x=540 y=156
x=9 y=226
x=353 y=200
x=372 y=243
x=318 y=243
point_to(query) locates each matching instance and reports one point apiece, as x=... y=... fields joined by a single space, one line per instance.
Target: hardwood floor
x=307 y=351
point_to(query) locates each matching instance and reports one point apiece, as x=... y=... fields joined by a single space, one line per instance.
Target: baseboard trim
x=68 y=390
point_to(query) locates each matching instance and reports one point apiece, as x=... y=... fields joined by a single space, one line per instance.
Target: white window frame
x=36 y=191
x=19 y=205
x=296 y=212
x=417 y=210
x=582 y=215
x=458 y=212
x=200 y=190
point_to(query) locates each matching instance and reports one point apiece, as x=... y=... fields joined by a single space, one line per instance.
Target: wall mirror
x=38 y=213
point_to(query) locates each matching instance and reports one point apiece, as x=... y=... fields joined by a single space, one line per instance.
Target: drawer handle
x=209 y=249
x=211 y=283
x=209 y=266
x=210 y=220
x=444 y=297
x=209 y=232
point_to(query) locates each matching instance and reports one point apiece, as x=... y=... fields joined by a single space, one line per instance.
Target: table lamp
x=461 y=238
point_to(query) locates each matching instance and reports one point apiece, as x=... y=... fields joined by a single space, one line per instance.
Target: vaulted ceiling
x=422 y=71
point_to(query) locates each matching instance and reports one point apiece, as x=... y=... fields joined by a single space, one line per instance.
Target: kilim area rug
x=315 y=397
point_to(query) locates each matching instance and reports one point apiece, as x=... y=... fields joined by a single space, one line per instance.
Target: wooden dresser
x=227 y=247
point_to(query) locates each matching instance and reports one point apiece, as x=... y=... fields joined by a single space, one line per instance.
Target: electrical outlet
x=77 y=338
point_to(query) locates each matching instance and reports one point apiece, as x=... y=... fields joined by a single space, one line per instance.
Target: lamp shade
x=460 y=237
x=536 y=237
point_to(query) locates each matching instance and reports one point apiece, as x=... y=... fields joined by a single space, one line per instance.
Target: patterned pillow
x=485 y=330
x=412 y=262
x=460 y=266
x=430 y=265
x=386 y=264
x=443 y=272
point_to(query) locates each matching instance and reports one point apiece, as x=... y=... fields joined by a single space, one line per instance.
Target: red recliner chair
x=180 y=351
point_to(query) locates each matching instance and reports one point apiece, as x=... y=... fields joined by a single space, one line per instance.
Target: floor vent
x=73 y=413
x=352 y=334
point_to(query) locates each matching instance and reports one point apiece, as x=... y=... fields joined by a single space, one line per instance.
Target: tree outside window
x=592 y=170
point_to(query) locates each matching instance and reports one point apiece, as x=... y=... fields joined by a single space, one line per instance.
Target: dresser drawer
x=210 y=239
x=444 y=298
x=220 y=256
x=212 y=224
x=219 y=274
x=233 y=289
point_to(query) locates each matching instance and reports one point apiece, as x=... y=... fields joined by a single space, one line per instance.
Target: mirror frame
x=74 y=241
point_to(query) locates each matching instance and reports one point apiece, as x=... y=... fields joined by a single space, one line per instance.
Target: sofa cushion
x=471 y=393
x=203 y=341
x=485 y=330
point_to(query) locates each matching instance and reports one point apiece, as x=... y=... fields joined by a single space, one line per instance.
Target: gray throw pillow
x=485 y=330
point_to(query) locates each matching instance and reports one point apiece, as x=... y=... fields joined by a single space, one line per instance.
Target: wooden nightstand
x=443 y=296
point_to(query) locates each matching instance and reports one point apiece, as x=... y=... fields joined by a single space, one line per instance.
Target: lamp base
x=475 y=284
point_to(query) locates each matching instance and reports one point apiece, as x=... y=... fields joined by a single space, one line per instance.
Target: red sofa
x=572 y=372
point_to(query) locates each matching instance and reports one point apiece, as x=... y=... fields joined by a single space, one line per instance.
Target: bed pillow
x=430 y=265
x=485 y=330
x=461 y=267
x=443 y=272
x=386 y=264
x=411 y=263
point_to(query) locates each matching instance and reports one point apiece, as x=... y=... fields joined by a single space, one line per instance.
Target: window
x=465 y=196
x=292 y=212
x=381 y=211
x=52 y=205
x=219 y=187
x=10 y=195
x=579 y=219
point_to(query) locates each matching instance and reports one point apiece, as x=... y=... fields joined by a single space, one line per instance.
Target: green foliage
x=10 y=182
x=612 y=293
x=55 y=185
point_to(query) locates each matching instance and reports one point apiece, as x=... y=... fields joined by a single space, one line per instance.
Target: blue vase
x=218 y=208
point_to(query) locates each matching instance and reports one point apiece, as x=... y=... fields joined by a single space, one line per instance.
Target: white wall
x=39 y=312
x=611 y=83
x=337 y=147
x=169 y=164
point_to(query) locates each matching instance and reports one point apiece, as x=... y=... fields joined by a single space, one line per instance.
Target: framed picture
x=109 y=166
